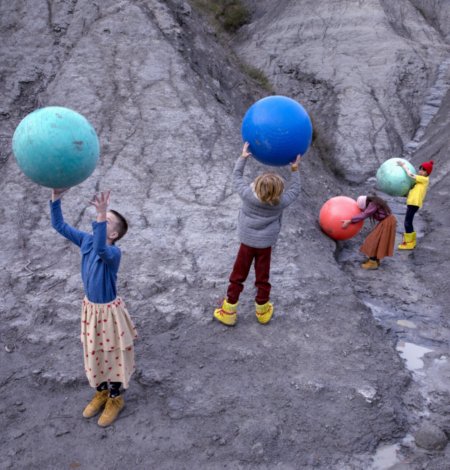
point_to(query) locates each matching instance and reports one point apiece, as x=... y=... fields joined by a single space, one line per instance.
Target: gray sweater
x=259 y=223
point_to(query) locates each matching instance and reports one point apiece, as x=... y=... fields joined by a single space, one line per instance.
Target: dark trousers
x=409 y=217
x=241 y=268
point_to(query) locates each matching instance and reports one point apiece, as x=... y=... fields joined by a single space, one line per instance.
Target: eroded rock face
x=167 y=101
x=360 y=68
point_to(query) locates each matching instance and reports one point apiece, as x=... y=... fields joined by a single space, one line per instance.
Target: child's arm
x=71 y=233
x=367 y=212
x=108 y=253
x=239 y=183
x=291 y=194
x=403 y=165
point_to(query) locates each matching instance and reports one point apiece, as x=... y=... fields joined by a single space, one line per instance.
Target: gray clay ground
x=339 y=379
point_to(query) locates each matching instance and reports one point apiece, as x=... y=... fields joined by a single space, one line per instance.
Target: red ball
x=333 y=212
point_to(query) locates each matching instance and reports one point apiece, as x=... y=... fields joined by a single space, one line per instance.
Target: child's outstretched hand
x=101 y=203
x=245 y=152
x=57 y=193
x=346 y=223
x=400 y=163
x=296 y=163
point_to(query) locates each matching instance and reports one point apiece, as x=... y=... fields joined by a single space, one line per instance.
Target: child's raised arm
x=291 y=194
x=238 y=173
x=58 y=223
x=403 y=165
x=108 y=253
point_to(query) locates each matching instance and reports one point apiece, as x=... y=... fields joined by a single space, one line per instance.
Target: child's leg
x=262 y=273
x=264 y=309
x=114 y=405
x=409 y=217
x=240 y=272
x=98 y=401
x=102 y=386
x=115 y=389
x=409 y=237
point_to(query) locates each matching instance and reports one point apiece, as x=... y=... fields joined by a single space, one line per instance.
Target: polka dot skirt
x=107 y=334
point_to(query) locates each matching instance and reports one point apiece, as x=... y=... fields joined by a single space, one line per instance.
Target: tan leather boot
x=112 y=409
x=96 y=404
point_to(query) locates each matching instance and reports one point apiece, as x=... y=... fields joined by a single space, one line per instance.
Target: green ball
x=56 y=147
x=392 y=178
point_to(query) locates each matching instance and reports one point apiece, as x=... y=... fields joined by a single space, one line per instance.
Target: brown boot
x=371 y=264
x=112 y=409
x=96 y=404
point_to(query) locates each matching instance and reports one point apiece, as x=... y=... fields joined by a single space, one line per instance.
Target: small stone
x=258 y=449
x=430 y=437
x=368 y=393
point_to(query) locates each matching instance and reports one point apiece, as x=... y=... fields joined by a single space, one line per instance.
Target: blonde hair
x=269 y=187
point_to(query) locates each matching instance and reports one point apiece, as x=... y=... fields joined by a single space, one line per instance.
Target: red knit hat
x=427 y=166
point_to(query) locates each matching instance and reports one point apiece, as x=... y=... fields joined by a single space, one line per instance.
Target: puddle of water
x=406 y=324
x=413 y=354
x=385 y=457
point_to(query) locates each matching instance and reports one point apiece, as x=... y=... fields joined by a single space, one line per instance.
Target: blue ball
x=392 y=178
x=56 y=147
x=278 y=129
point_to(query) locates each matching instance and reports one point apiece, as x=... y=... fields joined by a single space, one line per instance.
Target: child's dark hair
x=379 y=202
x=122 y=224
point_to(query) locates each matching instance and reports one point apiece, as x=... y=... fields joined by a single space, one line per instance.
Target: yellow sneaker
x=112 y=409
x=96 y=404
x=264 y=312
x=370 y=264
x=227 y=314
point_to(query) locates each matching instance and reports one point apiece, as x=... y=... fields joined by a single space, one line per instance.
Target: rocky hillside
x=321 y=386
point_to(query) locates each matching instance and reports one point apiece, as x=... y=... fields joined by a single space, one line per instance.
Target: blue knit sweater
x=99 y=261
x=259 y=223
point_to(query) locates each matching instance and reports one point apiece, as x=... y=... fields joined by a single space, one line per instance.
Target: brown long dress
x=381 y=240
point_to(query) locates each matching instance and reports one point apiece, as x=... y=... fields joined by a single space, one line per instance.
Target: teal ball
x=392 y=178
x=56 y=147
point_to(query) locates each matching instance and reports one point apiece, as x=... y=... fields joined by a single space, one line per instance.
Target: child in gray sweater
x=259 y=225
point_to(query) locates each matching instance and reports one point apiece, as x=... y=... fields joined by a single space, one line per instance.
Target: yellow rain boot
x=112 y=409
x=413 y=242
x=227 y=314
x=96 y=404
x=264 y=312
x=409 y=241
x=370 y=264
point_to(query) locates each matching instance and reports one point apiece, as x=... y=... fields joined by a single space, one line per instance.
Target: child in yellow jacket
x=414 y=201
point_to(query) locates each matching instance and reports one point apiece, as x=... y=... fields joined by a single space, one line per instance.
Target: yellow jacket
x=417 y=194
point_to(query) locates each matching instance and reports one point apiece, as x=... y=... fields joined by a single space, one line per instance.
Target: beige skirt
x=107 y=334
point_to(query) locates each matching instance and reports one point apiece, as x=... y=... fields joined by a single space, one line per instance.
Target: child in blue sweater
x=107 y=332
x=259 y=225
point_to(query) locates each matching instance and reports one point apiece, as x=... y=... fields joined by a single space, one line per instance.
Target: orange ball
x=333 y=212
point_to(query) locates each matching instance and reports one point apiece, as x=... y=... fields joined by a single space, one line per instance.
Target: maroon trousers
x=241 y=268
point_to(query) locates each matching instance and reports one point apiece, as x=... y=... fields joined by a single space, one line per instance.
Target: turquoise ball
x=392 y=178
x=56 y=147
